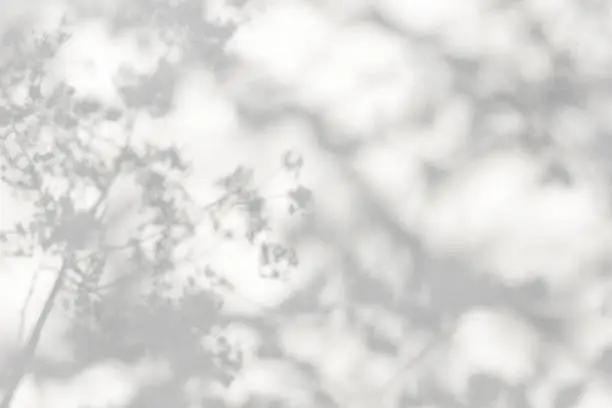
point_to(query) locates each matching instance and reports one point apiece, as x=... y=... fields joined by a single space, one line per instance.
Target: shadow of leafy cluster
x=119 y=289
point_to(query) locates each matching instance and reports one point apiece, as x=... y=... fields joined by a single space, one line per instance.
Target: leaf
x=278 y=251
x=239 y=178
x=293 y=259
x=172 y=156
x=302 y=196
x=292 y=161
x=226 y=283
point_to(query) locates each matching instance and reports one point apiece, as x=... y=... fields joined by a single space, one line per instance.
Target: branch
x=26 y=304
x=30 y=348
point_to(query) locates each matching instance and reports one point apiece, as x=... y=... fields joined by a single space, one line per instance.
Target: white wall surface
x=369 y=84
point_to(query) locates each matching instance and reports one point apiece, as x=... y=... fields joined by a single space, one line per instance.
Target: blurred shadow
x=135 y=321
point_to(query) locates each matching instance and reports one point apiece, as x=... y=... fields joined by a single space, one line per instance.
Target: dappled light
x=265 y=203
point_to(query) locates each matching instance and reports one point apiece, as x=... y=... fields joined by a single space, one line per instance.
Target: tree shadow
x=134 y=321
